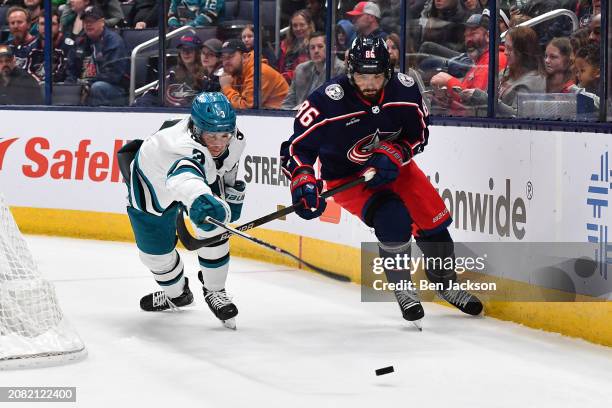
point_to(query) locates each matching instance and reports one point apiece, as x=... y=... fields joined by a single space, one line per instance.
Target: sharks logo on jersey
x=362 y=150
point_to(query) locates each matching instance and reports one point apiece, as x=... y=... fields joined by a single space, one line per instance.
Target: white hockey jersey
x=170 y=166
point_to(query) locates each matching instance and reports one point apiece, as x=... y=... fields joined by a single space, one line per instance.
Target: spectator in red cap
x=294 y=48
x=366 y=19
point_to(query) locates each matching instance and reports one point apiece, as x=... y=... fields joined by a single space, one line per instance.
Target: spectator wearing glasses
x=237 y=81
x=310 y=75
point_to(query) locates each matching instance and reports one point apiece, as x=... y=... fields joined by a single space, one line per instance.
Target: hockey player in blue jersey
x=373 y=118
x=192 y=163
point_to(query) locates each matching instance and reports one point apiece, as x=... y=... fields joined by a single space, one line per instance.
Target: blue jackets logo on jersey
x=362 y=150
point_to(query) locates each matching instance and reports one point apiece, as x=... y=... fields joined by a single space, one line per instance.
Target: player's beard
x=371 y=95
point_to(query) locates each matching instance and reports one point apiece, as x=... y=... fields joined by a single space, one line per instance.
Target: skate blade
x=229 y=323
x=418 y=324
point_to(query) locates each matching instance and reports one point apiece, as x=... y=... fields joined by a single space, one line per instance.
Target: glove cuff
x=303 y=175
x=394 y=152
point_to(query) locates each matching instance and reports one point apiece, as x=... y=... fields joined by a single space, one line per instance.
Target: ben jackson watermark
x=385 y=265
x=494 y=271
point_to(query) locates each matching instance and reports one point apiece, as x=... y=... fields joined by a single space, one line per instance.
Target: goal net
x=33 y=329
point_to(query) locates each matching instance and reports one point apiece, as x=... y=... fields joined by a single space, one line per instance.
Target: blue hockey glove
x=234 y=196
x=174 y=22
x=305 y=190
x=386 y=159
x=207 y=205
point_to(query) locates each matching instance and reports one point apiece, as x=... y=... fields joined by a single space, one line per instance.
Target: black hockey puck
x=384 y=370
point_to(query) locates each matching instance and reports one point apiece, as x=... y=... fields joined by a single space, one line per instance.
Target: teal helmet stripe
x=212 y=112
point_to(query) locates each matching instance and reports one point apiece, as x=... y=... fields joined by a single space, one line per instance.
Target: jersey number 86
x=307 y=114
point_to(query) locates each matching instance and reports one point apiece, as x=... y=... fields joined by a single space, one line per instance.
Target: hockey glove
x=234 y=196
x=386 y=159
x=306 y=192
x=174 y=22
x=207 y=205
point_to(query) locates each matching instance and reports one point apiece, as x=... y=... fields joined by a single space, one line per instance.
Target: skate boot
x=221 y=305
x=462 y=300
x=159 y=301
x=410 y=305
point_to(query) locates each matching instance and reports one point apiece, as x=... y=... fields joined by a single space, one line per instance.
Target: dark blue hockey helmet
x=211 y=112
x=369 y=55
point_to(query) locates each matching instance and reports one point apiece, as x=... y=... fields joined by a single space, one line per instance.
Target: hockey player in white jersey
x=192 y=163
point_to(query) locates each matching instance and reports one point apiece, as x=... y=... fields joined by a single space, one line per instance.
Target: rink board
x=60 y=175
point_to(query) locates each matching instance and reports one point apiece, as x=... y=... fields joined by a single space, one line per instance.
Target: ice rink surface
x=302 y=341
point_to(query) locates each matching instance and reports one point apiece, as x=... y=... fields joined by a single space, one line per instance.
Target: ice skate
x=221 y=305
x=462 y=300
x=159 y=301
x=411 y=307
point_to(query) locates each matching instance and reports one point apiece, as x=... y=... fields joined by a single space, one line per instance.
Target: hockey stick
x=258 y=241
x=192 y=243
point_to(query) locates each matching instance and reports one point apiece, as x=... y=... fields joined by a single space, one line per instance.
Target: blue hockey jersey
x=338 y=126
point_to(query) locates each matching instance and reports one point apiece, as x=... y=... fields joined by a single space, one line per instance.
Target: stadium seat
x=132 y=37
x=231 y=10
x=267 y=11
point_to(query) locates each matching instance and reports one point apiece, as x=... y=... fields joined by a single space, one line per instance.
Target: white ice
x=302 y=341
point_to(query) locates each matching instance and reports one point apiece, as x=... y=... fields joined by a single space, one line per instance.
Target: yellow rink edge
x=591 y=321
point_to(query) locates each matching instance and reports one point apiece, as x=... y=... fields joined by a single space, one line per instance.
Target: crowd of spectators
x=447 y=51
x=449 y=40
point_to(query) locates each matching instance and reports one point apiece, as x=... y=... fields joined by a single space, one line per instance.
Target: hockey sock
x=214 y=264
x=167 y=270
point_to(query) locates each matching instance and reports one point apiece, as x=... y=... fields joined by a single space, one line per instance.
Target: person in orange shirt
x=476 y=38
x=238 y=75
